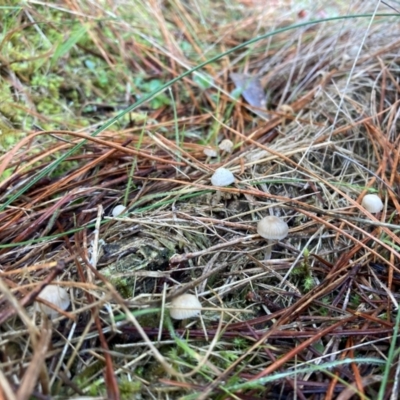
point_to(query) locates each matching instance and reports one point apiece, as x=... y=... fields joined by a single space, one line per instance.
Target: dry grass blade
x=36 y=366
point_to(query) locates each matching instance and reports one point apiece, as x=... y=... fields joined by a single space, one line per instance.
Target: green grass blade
x=64 y=48
x=312 y=368
x=390 y=359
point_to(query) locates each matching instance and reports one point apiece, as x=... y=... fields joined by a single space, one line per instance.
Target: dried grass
x=318 y=320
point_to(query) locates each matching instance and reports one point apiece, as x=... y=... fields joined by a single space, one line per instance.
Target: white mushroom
x=226 y=145
x=210 y=152
x=272 y=228
x=56 y=295
x=185 y=306
x=222 y=177
x=372 y=203
x=118 y=210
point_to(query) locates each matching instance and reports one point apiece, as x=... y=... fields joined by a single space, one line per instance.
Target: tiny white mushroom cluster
x=372 y=203
x=185 y=306
x=56 y=295
x=222 y=177
x=272 y=228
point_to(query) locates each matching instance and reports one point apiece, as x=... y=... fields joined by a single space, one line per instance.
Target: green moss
x=324 y=311
x=87 y=373
x=122 y=285
x=8 y=135
x=55 y=73
x=304 y=272
x=128 y=388
x=6 y=174
x=148 y=86
x=355 y=301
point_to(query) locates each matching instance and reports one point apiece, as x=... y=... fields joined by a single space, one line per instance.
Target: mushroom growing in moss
x=272 y=228
x=372 y=203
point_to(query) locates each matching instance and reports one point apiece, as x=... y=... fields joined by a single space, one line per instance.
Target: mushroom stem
x=268 y=250
x=272 y=229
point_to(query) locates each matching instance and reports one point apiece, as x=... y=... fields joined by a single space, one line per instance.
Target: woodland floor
x=126 y=102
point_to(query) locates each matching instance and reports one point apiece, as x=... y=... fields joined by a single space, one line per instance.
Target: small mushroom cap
x=222 y=177
x=185 y=306
x=56 y=295
x=118 y=210
x=226 y=145
x=210 y=152
x=372 y=203
x=272 y=228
